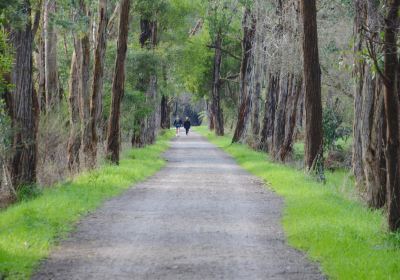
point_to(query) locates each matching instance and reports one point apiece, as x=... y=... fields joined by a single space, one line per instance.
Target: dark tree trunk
x=113 y=137
x=255 y=120
x=391 y=100
x=290 y=122
x=96 y=103
x=312 y=83
x=217 y=116
x=165 y=121
x=24 y=159
x=245 y=97
x=74 y=142
x=269 y=113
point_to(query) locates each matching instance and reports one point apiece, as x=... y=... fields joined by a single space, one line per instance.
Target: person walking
x=187 y=125
x=178 y=125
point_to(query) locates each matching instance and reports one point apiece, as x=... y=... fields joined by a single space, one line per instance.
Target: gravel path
x=201 y=217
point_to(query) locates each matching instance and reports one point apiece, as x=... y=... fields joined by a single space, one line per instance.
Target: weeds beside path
x=30 y=229
x=349 y=240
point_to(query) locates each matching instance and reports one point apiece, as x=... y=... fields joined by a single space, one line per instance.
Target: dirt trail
x=201 y=217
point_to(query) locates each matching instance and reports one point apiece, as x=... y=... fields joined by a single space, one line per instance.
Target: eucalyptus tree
x=312 y=84
x=22 y=24
x=220 y=17
x=113 y=133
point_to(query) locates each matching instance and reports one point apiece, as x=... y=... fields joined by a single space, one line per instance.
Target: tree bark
x=368 y=163
x=82 y=51
x=118 y=87
x=312 y=82
x=269 y=112
x=50 y=49
x=245 y=98
x=255 y=119
x=24 y=102
x=280 y=114
x=217 y=116
x=165 y=121
x=96 y=102
x=391 y=100
x=74 y=142
x=290 y=118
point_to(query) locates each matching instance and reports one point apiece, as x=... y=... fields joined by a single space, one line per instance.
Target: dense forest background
x=313 y=84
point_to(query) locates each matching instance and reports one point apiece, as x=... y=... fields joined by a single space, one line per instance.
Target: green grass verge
x=30 y=229
x=349 y=240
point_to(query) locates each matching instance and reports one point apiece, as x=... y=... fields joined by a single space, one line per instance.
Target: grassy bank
x=29 y=230
x=349 y=240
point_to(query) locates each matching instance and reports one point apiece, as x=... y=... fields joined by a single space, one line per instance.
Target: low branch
x=225 y=51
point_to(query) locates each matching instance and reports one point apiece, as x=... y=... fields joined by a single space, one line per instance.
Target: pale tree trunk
x=359 y=21
x=40 y=65
x=368 y=163
x=151 y=127
x=280 y=115
x=24 y=105
x=245 y=97
x=96 y=102
x=118 y=87
x=217 y=116
x=74 y=142
x=391 y=100
x=312 y=82
x=50 y=49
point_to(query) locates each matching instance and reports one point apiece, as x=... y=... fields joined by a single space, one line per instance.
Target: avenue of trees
x=81 y=78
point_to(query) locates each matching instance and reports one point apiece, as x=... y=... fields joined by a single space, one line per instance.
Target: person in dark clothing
x=178 y=125
x=187 y=125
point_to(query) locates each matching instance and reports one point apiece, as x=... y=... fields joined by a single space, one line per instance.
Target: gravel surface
x=201 y=217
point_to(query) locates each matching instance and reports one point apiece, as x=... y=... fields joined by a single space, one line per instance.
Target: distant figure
x=178 y=125
x=187 y=125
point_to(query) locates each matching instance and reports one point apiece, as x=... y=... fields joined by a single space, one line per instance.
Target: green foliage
x=331 y=122
x=26 y=193
x=30 y=229
x=6 y=59
x=325 y=220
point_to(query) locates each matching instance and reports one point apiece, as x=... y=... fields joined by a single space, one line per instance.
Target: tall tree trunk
x=269 y=112
x=50 y=47
x=368 y=121
x=312 y=82
x=118 y=87
x=359 y=21
x=391 y=100
x=151 y=127
x=285 y=89
x=291 y=114
x=217 y=117
x=24 y=102
x=40 y=65
x=165 y=122
x=96 y=102
x=255 y=119
x=82 y=50
x=74 y=142
x=245 y=97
